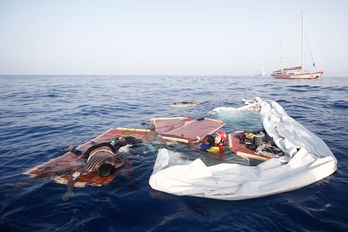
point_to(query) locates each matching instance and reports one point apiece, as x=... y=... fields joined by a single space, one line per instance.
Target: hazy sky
x=200 y=37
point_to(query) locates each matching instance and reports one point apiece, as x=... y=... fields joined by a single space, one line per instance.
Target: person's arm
x=73 y=149
x=194 y=143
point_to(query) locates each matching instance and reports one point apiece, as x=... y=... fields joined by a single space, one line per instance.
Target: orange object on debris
x=241 y=150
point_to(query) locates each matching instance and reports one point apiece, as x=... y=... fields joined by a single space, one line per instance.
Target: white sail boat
x=297 y=72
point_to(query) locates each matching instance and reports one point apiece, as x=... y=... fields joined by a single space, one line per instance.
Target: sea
x=41 y=116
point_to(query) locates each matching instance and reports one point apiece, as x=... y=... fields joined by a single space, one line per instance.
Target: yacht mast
x=281 y=56
x=302 y=43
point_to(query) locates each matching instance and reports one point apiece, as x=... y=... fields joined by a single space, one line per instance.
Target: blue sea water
x=40 y=116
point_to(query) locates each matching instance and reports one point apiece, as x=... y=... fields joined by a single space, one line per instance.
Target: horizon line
x=188 y=75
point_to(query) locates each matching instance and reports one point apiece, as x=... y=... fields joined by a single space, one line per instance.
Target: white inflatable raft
x=309 y=160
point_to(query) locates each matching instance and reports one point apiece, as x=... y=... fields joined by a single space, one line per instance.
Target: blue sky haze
x=169 y=37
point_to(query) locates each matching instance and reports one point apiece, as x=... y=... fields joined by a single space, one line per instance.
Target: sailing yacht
x=297 y=72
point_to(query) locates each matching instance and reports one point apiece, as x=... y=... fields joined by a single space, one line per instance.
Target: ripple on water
x=40 y=119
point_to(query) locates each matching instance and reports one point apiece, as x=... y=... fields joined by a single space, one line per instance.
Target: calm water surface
x=40 y=116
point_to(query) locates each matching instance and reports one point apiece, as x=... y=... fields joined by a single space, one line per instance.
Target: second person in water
x=219 y=142
x=214 y=144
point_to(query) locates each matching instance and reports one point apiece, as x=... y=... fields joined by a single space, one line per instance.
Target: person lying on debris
x=100 y=158
x=211 y=144
x=103 y=157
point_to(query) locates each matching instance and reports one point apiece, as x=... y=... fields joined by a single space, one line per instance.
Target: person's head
x=220 y=137
x=108 y=166
x=105 y=170
x=209 y=140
